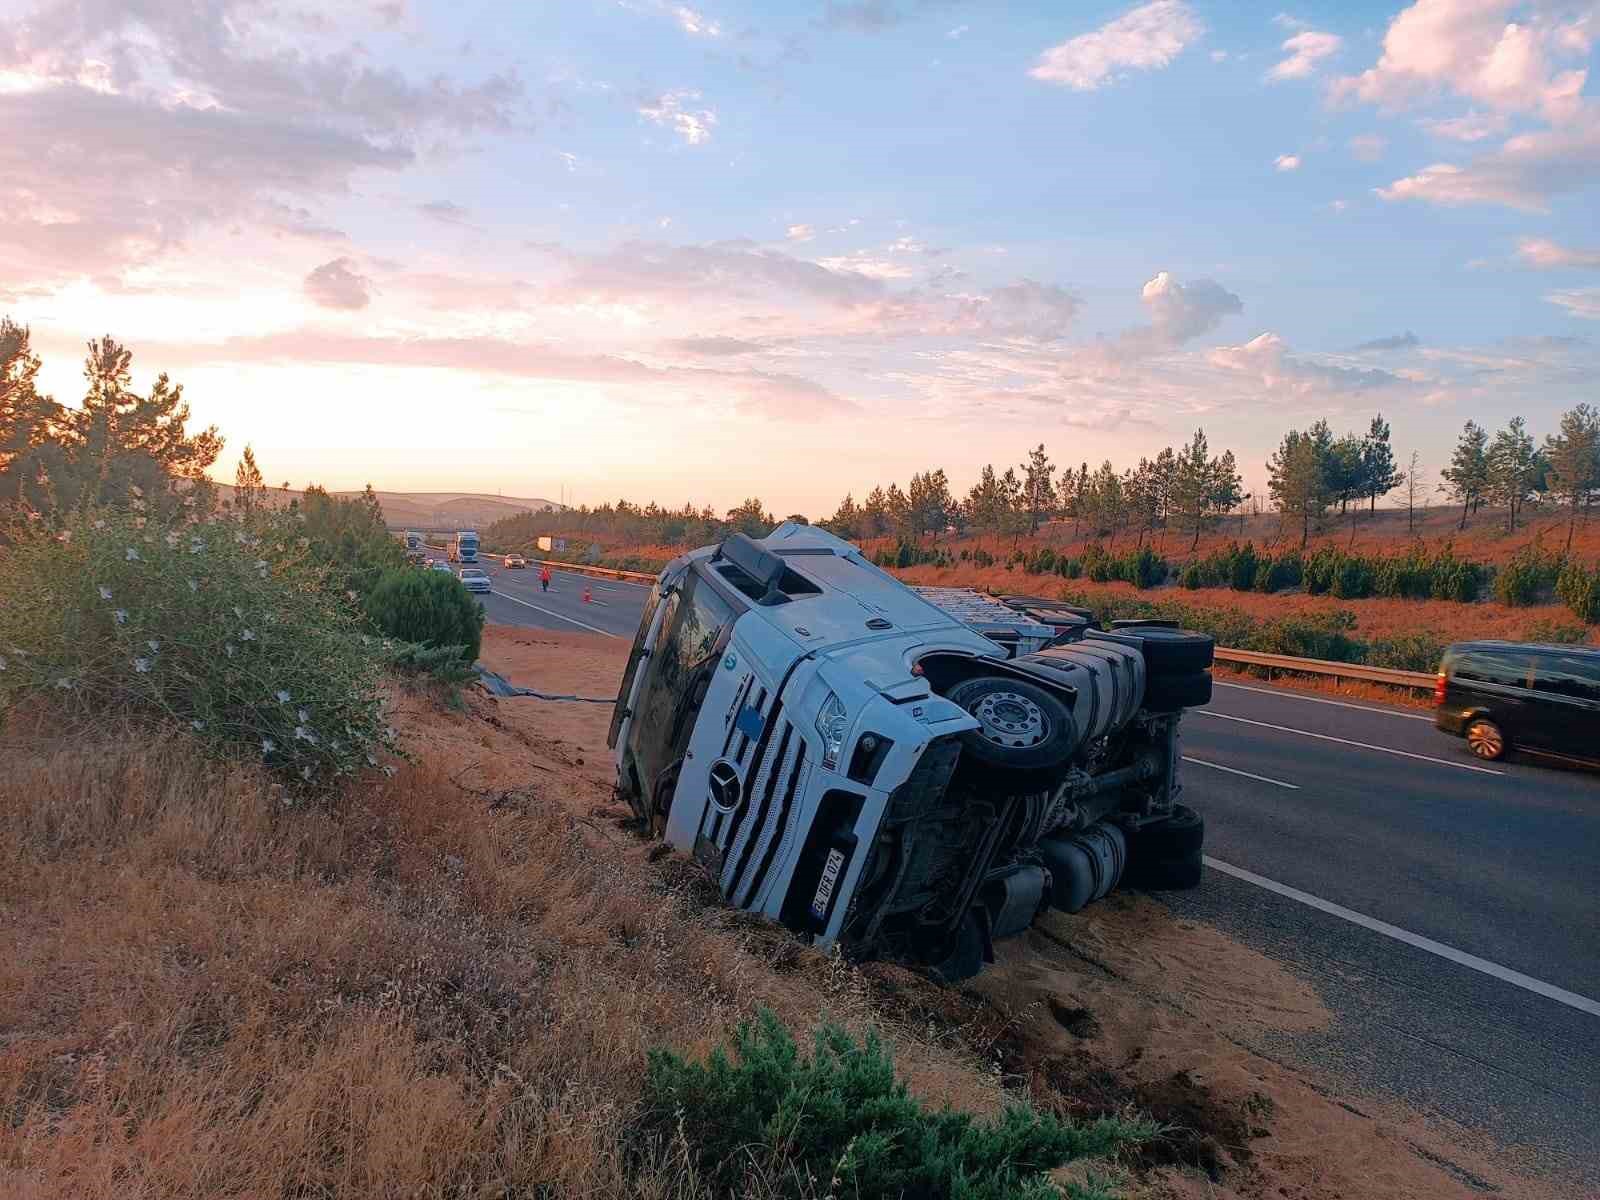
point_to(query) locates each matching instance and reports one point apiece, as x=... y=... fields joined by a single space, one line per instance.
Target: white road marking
x=1382 y=712
x=1450 y=953
x=559 y=616
x=1327 y=737
x=1200 y=762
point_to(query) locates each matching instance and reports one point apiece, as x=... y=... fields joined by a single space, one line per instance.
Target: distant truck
x=416 y=549
x=552 y=545
x=903 y=773
x=464 y=547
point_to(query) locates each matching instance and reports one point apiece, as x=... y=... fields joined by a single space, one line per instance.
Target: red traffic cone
x=588 y=597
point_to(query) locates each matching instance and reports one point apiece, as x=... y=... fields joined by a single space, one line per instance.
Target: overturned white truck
x=906 y=773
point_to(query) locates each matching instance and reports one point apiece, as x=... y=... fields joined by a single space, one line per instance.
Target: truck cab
x=856 y=760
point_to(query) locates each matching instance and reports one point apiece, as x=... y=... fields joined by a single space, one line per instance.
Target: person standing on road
x=544 y=579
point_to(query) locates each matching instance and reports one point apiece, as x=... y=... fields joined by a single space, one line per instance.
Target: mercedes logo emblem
x=724 y=785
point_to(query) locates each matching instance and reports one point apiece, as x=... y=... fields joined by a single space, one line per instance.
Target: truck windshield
x=672 y=691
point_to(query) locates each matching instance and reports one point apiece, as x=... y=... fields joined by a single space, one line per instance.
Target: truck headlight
x=832 y=722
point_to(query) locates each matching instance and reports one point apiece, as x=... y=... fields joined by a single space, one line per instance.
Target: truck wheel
x=1485 y=740
x=965 y=956
x=1169 y=693
x=1165 y=855
x=1022 y=727
x=1166 y=651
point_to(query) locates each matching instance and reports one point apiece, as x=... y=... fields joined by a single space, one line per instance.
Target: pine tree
x=1204 y=487
x=1574 y=455
x=249 y=489
x=1467 y=476
x=32 y=454
x=1038 y=490
x=846 y=519
x=1512 y=468
x=1379 y=476
x=1297 y=476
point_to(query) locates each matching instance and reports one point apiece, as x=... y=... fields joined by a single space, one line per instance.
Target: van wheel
x=1485 y=740
x=1021 y=727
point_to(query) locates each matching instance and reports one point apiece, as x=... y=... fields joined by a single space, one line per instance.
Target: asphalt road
x=1342 y=817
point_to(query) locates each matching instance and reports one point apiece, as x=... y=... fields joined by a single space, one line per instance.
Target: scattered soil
x=1124 y=1007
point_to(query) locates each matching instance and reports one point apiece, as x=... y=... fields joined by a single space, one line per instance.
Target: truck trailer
x=464 y=547
x=902 y=773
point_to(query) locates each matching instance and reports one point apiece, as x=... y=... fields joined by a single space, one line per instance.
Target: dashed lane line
x=1328 y=737
x=1460 y=957
x=559 y=616
x=1382 y=712
x=1200 y=762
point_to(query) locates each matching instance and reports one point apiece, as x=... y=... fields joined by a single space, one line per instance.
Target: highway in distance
x=1446 y=910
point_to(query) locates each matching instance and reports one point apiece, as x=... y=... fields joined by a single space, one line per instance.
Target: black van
x=1505 y=695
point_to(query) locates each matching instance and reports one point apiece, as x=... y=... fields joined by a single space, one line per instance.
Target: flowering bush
x=228 y=628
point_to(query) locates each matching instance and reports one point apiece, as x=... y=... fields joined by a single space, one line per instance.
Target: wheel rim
x=1485 y=740
x=1012 y=720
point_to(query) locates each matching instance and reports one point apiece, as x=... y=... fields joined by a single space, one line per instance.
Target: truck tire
x=1165 y=855
x=1022 y=727
x=1169 y=693
x=1167 y=651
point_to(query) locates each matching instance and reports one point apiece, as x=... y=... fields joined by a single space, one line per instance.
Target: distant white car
x=440 y=565
x=474 y=580
x=515 y=562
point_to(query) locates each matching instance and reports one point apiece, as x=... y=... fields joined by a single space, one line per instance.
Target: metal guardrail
x=1419 y=680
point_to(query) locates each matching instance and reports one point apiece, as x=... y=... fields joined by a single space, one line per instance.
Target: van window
x=1486 y=666
x=1575 y=675
x=650 y=602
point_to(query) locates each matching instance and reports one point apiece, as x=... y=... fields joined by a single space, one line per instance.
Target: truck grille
x=762 y=824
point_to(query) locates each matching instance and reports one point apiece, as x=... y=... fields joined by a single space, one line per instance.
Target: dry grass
x=420 y=992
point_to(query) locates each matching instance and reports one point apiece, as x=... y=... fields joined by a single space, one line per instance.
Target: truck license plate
x=830 y=876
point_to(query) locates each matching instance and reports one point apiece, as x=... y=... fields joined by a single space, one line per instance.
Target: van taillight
x=1438 y=690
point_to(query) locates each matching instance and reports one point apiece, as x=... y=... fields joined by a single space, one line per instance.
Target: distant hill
x=440 y=511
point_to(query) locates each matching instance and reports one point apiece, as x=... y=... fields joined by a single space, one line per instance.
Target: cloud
x=1287 y=162
x=446 y=211
x=1473 y=49
x=1524 y=173
x=1267 y=358
x=956 y=33
x=737 y=271
x=1305 y=50
x=1579 y=302
x=695 y=23
x=760 y=393
x=1368 y=147
x=1145 y=38
x=193 y=117
x=800 y=233
x=1470 y=127
x=715 y=347
x=864 y=16
x=1399 y=341
x=1181 y=311
x=1545 y=255
x=338 y=284
x=694 y=126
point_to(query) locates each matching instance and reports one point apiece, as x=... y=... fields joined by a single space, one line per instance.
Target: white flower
x=228 y=649
x=248 y=635
x=239 y=537
x=197 y=725
x=305 y=773
x=120 y=616
x=63 y=682
x=261 y=564
x=65 y=535
x=389 y=771
x=138 y=506
x=136 y=489
x=194 y=585
x=155 y=646
x=141 y=665
x=172 y=540
x=304 y=542
x=304 y=716
x=268 y=745
x=196 y=545
x=238 y=612
x=371 y=761
x=351 y=592
x=138 y=523
x=2 y=664
x=100 y=524
x=283 y=697
x=366 y=639
x=132 y=555
x=105 y=592
x=302 y=734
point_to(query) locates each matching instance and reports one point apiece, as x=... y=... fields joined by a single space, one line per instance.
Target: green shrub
x=1409 y=652
x=840 y=1122
x=1353 y=579
x=1192 y=577
x=234 y=631
x=1456 y=579
x=982 y=558
x=1527 y=578
x=1579 y=589
x=1146 y=569
x=1277 y=574
x=1557 y=633
x=428 y=608
x=1242 y=570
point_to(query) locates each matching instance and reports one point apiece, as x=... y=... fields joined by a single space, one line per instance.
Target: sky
x=697 y=252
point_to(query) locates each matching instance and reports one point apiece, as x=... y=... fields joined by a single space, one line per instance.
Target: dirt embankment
x=446 y=984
